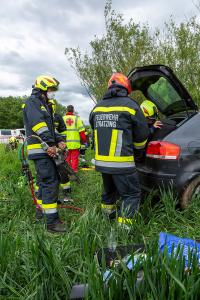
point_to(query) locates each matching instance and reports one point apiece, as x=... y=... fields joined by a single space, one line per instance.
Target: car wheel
x=191 y=191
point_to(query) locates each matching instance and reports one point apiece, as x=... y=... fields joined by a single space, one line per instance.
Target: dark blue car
x=173 y=154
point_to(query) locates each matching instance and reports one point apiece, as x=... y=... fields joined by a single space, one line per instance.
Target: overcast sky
x=35 y=33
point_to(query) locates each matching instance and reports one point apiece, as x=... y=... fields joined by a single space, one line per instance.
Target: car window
x=22 y=132
x=163 y=93
x=5 y=132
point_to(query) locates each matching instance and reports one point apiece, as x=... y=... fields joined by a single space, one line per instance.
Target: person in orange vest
x=75 y=134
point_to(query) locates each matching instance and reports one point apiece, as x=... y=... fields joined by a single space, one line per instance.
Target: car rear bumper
x=156 y=181
x=150 y=182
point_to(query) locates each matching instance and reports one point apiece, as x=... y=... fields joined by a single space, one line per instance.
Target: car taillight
x=163 y=150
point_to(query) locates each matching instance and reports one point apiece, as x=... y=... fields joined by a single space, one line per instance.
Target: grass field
x=35 y=264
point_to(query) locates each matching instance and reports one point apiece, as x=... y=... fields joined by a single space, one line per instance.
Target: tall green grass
x=35 y=264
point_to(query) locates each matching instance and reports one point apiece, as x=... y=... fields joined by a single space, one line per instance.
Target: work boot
x=68 y=199
x=109 y=214
x=112 y=215
x=60 y=201
x=58 y=227
x=109 y=210
x=126 y=223
x=38 y=215
x=124 y=226
x=65 y=200
x=67 y=195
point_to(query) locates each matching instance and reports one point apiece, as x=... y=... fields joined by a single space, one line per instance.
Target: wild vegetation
x=35 y=264
x=11 y=116
x=126 y=45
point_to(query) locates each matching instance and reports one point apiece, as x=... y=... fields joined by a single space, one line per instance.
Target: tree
x=11 y=112
x=127 y=45
x=60 y=109
x=11 y=115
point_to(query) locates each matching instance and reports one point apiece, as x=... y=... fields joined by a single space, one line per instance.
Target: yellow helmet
x=149 y=109
x=44 y=82
x=53 y=105
x=12 y=139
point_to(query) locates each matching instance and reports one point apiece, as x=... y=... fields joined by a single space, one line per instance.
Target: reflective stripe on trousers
x=65 y=186
x=114 y=164
x=49 y=211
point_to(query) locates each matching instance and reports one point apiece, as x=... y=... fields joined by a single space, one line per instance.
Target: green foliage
x=38 y=265
x=11 y=112
x=60 y=109
x=127 y=45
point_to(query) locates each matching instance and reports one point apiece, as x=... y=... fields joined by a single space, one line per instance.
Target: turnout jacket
x=38 y=120
x=120 y=129
x=59 y=123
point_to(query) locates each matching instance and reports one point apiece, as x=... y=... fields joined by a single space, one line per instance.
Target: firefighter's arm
x=64 y=132
x=37 y=122
x=61 y=126
x=140 y=133
x=60 y=137
x=91 y=120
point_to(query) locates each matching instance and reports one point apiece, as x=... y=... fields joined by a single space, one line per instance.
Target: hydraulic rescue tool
x=64 y=170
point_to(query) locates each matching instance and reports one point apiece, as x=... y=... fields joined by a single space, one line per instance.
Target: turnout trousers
x=124 y=186
x=48 y=188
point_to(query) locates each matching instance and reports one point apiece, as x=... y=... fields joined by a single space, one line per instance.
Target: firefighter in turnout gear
x=38 y=121
x=120 y=133
x=13 y=142
x=150 y=112
x=75 y=134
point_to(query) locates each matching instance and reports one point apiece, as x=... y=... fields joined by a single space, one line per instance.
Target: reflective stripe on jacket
x=119 y=128
x=74 y=127
x=38 y=121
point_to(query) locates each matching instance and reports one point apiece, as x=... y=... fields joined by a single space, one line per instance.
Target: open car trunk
x=159 y=84
x=171 y=123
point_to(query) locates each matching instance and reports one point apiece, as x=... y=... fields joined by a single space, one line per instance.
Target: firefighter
x=13 y=142
x=38 y=120
x=150 y=112
x=75 y=134
x=120 y=131
x=60 y=127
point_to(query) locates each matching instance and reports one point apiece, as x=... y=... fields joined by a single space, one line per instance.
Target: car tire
x=189 y=192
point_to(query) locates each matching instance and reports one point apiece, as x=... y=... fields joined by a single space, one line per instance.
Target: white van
x=5 y=134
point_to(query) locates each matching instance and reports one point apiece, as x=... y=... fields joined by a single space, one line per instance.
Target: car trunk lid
x=159 y=84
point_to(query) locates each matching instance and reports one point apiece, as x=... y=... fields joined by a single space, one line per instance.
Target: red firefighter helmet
x=121 y=80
